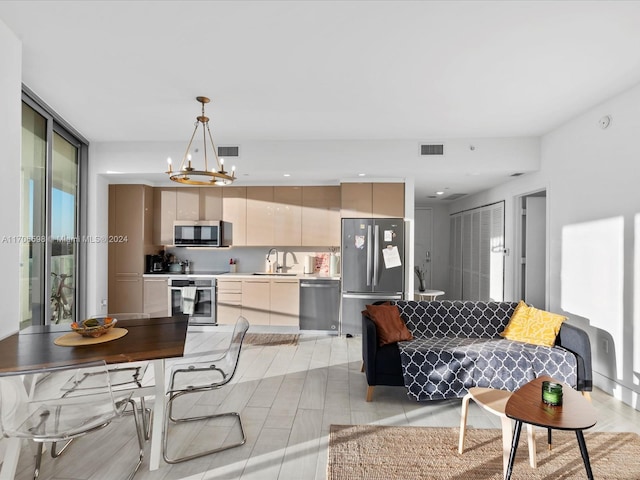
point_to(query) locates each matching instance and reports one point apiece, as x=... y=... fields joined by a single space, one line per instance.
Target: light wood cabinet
x=125 y=293
x=262 y=301
x=321 y=216
x=372 y=200
x=285 y=302
x=188 y=203
x=234 y=213
x=260 y=216
x=256 y=301
x=229 y=302
x=356 y=200
x=387 y=200
x=156 y=297
x=287 y=222
x=164 y=208
x=210 y=203
x=131 y=227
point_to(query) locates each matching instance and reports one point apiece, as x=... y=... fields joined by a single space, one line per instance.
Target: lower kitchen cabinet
x=285 y=303
x=229 y=302
x=256 y=301
x=262 y=301
x=156 y=297
x=125 y=293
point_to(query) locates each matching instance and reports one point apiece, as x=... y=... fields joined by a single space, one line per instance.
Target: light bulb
x=221 y=161
x=169 y=160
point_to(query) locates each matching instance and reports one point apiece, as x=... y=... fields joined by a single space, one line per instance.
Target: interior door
x=535 y=251
x=423 y=241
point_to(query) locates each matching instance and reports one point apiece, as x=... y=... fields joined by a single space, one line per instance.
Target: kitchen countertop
x=296 y=276
x=246 y=275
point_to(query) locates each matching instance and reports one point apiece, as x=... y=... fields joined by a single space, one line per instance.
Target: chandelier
x=191 y=176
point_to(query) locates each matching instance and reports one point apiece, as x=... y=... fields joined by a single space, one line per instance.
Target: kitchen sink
x=277 y=274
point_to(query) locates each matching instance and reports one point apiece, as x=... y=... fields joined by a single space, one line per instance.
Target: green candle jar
x=552 y=393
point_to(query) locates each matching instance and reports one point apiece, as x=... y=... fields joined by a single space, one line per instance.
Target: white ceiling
x=327 y=70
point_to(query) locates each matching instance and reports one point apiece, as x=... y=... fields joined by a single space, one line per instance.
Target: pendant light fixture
x=191 y=176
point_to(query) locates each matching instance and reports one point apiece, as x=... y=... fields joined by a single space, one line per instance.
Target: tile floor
x=288 y=397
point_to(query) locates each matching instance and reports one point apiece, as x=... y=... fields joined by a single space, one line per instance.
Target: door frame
x=520 y=248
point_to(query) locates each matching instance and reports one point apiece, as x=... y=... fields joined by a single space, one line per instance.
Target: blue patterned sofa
x=457 y=345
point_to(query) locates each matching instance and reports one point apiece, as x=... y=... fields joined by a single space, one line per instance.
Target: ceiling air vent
x=228 y=151
x=432 y=149
x=455 y=196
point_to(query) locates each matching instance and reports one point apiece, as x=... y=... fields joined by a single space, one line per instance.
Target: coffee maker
x=153 y=264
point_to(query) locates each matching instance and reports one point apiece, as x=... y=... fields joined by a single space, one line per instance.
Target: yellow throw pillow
x=530 y=325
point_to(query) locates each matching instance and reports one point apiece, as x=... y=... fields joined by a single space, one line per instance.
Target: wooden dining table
x=154 y=339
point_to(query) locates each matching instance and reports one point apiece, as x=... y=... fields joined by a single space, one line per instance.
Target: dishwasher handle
x=317 y=285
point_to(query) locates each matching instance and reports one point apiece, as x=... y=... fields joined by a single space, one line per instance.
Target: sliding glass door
x=51 y=227
x=64 y=229
x=33 y=223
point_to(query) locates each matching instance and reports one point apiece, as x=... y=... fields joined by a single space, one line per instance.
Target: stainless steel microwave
x=203 y=233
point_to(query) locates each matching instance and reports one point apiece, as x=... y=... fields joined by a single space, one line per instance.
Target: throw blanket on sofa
x=447 y=367
x=456 y=346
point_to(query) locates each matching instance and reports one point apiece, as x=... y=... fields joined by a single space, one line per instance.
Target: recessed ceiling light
x=361 y=174
x=287 y=174
x=439 y=193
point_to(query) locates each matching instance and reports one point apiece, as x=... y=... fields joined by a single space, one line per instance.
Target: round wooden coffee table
x=526 y=406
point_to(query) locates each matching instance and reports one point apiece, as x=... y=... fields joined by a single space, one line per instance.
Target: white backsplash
x=248 y=259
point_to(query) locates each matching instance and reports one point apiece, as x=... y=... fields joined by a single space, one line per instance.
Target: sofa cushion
x=456 y=318
x=530 y=325
x=446 y=367
x=390 y=326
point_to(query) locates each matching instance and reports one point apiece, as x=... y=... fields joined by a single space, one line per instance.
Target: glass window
x=50 y=218
x=33 y=222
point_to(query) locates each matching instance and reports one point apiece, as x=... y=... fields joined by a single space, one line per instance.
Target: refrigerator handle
x=368 y=255
x=376 y=249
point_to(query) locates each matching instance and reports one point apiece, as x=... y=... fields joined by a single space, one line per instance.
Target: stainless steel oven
x=194 y=296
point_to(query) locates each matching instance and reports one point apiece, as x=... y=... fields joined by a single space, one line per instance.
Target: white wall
x=593 y=212
x=10 y=131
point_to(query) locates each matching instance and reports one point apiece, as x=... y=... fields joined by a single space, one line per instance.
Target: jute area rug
x=374 y=452
x=271 y=339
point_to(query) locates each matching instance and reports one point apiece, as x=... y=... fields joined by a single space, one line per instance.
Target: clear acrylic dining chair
x=122 y=377
x=43 y=405
x=130 y=375
x=205 y=374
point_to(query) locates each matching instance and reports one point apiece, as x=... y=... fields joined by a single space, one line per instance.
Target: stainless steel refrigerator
x=372 y=254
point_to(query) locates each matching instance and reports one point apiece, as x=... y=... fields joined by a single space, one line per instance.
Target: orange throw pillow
x=389 y=323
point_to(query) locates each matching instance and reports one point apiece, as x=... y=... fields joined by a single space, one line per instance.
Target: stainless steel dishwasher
x=319 y=304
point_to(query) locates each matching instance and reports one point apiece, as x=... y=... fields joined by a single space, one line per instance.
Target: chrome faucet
x=273 y=250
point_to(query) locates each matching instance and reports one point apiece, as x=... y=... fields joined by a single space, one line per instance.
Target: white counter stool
x=495 y=401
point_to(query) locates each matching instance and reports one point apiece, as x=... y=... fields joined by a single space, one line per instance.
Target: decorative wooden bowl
x=94 y=327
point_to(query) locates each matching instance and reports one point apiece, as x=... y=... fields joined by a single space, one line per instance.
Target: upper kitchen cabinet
x=234 y=213
x=387 y=200
x=186 y=203
x=164 y=214
x=260 y=216
x=210 y=203
x=131 y=229
x=321 y=216
x=372 y=200
x=287 y=222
